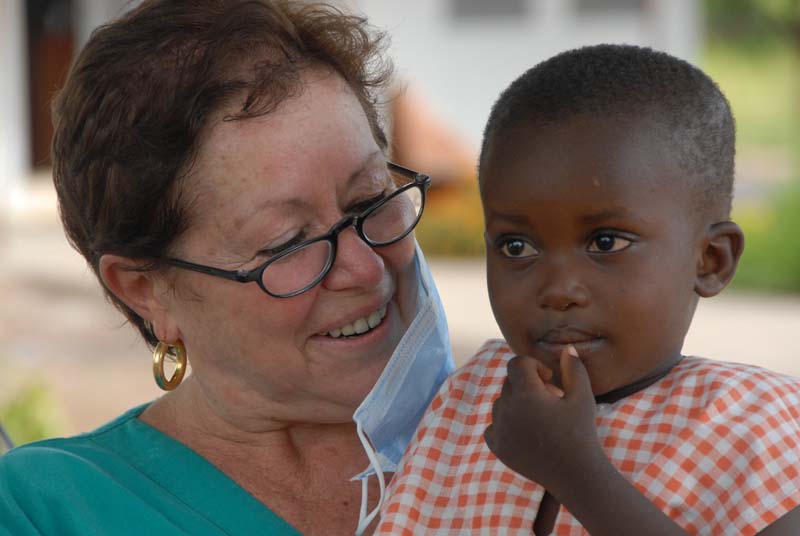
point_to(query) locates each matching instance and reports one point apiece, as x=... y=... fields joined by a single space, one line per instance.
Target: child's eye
x=608 y=243
x=517 y=248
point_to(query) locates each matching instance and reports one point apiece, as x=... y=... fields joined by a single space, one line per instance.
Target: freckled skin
x=541 y=185
x=258 y=183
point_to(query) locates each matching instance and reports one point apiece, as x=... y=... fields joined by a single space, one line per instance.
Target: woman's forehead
x=318 y=139
x=285 y=189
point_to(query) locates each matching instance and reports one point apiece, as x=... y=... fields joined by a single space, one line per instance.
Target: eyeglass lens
x=304 y=266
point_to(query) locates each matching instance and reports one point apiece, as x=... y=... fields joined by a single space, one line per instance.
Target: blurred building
x=459 y=54
x=454 y=55
x=37 y=41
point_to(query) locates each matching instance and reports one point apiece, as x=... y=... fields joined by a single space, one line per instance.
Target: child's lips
x=585 y=342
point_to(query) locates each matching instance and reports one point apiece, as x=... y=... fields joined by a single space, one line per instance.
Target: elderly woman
x=221 y=166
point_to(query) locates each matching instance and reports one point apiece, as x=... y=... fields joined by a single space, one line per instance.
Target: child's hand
x=541 y=432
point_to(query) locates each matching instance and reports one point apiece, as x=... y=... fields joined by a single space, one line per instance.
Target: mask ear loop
x=365 y=519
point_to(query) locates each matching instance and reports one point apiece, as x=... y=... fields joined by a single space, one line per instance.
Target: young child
x=606 y=176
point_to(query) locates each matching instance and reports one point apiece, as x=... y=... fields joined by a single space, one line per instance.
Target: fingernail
x=572 y=351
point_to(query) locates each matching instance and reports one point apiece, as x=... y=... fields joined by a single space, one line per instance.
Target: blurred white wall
x=462 y=53
x=89 y=14
x=14 y=128
x=459 y=54
x=15 y=137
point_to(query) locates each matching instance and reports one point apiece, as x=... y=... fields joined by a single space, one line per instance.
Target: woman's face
x=261 y=183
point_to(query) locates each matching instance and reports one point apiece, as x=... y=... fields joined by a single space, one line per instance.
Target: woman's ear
x=139 y=290
x=722 y=247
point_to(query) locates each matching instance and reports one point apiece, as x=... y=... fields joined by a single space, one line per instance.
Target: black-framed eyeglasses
x=302 y=266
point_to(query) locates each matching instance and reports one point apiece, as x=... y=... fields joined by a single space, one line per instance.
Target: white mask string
x=365 y=519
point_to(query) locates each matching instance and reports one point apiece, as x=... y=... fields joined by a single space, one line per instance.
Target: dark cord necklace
x=627 y=390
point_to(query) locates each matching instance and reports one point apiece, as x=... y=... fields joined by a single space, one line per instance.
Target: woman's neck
x=301 y=471
x=190 y=417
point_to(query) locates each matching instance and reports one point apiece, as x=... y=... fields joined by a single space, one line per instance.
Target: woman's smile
x=359 y=326
x=384 y=329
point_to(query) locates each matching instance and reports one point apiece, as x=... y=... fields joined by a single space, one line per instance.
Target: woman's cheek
x=399 y=259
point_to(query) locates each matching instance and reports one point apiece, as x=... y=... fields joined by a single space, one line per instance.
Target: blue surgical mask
x=388 y=417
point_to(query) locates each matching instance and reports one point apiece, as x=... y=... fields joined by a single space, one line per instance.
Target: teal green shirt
x=124 y=478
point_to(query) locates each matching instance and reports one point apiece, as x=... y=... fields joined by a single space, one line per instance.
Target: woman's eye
x=271 y=251
x=361 y=206
x=608 y=243
x=517 y=248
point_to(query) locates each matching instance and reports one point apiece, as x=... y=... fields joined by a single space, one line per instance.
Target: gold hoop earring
x=178 y=351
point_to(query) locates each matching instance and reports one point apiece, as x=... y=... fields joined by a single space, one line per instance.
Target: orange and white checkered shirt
x=714 y=445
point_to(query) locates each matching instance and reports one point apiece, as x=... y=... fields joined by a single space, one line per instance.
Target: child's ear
x=140 y=291
x=723 y=245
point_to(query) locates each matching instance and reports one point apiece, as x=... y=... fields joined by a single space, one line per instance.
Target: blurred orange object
x=423 y=140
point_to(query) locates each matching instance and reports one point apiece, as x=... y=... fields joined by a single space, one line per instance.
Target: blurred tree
x=784 y=14
x=758 y=22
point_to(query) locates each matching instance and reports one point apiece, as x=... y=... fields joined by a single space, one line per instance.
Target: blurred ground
x=55 y=325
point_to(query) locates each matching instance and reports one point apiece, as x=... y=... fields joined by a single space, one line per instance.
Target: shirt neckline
x=641 y=384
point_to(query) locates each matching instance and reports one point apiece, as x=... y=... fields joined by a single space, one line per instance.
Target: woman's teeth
x=359 y=326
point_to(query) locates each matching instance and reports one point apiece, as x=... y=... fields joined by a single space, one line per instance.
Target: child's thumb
x=574 y=377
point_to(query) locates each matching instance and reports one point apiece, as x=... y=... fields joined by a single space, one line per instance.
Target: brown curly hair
x=129 y=119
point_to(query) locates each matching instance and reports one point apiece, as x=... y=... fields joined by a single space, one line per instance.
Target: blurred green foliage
x=762 y=86
x=771 y=260
x=31 y=414
x=753 y=23
x=753 y=52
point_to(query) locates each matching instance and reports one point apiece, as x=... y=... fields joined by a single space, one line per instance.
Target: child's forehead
x=586 y=167
x=633 y=150
x=590 y=132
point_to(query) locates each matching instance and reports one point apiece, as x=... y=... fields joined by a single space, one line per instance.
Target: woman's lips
x=365 y=340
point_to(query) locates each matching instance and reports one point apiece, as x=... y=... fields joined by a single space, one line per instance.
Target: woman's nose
x=356 y=265
x=561 y=286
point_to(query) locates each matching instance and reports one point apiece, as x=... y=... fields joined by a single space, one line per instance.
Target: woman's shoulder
x=37 y=479
x=30 y=465
x=33 y=457
x=125 y=477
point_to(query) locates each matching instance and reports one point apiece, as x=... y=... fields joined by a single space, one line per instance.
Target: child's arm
x=553 y=441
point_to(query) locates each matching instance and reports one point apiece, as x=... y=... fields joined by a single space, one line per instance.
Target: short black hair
x=630 y=81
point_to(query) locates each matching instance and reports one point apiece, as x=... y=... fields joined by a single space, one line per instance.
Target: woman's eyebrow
x=294 y=203
x=370 y=159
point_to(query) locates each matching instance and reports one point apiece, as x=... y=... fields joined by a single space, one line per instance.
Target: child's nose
x=561 y=285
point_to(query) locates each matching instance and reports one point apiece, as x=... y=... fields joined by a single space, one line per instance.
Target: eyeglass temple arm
x=416 y=175
x=240 y=276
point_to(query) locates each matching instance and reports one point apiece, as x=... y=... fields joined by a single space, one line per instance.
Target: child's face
x=591 y=242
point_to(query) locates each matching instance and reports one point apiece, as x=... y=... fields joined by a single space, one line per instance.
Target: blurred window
x=603 y=6
x=473 y=9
